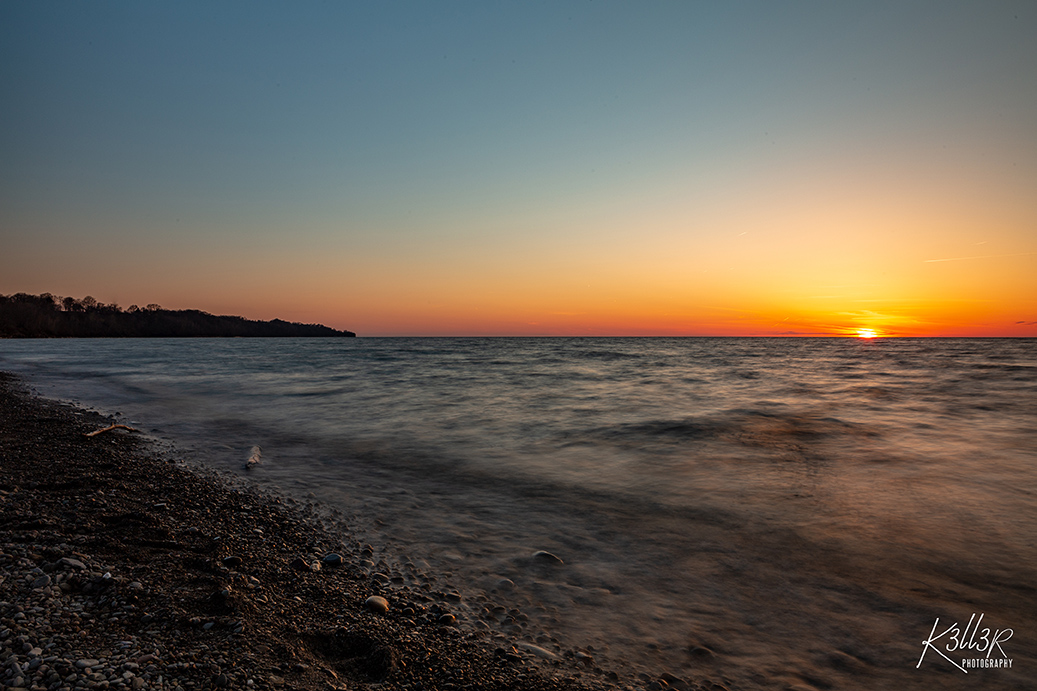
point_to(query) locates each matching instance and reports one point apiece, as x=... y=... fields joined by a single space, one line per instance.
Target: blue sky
x=347 y=148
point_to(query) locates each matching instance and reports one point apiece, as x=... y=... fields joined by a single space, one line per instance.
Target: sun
x=867 y=333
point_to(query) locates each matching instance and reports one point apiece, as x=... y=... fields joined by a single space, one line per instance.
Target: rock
x=169 y=578
x=547 y=558
x=41 y=582
x=510 y=656
x=504 y=584
x=376 y=604
x=255 y=458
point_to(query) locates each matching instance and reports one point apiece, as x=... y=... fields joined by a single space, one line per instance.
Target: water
x=802 y=508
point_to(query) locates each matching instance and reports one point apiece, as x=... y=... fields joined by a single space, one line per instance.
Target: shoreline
x=121 y=568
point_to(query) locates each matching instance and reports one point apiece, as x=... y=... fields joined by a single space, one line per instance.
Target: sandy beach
x=122 y=568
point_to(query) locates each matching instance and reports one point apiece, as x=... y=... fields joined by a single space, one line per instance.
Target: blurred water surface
x=780 y=501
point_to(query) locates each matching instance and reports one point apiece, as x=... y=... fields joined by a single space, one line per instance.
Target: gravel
x=124 y=569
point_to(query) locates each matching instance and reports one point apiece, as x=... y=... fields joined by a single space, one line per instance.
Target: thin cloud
x=982 y=256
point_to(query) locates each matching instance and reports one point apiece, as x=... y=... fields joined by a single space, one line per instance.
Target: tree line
x=50 y=316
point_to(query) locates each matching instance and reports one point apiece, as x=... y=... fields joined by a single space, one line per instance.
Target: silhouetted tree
x=45 y=316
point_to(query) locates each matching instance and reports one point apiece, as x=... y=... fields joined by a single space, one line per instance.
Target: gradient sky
x=598 y=168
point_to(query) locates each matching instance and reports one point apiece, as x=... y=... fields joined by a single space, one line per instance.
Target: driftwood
x=108 y=429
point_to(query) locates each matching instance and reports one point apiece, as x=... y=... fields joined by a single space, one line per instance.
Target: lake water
x=762 y=513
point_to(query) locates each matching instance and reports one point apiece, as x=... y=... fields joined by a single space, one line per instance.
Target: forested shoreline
x=50 y=316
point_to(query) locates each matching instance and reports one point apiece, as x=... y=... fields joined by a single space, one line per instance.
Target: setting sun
x=867 y=333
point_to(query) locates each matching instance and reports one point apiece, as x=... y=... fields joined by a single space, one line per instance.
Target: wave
x=740 y=426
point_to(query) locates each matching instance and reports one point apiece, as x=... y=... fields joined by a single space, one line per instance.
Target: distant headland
x=49 y=316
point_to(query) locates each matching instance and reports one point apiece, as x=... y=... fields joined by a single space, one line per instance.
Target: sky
x=529 y=168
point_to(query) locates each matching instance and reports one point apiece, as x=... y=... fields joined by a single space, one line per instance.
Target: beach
x=789 y=515
x=121 y=568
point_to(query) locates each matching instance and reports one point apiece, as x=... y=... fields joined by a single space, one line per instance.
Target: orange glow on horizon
x=785 y=282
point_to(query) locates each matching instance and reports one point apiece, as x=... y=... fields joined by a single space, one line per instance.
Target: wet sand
x=121 y=568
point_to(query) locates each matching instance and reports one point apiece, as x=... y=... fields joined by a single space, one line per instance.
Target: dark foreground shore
x=123 y=569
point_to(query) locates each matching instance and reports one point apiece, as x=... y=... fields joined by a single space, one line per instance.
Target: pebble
x=108 y=623
x=377 y=604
